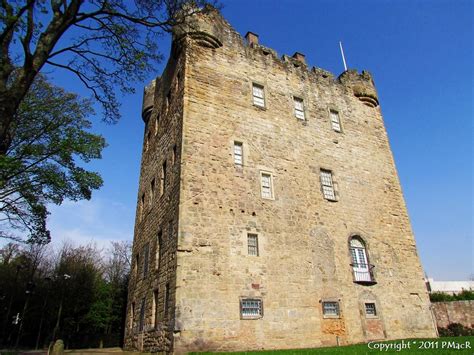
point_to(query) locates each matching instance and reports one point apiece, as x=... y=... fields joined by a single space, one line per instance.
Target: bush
x=455 y=330
x=465 y=295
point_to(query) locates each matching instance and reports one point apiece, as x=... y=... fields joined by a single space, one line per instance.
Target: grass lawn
x=445 y=345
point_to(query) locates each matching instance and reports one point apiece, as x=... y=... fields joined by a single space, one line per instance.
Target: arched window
x=360 y=264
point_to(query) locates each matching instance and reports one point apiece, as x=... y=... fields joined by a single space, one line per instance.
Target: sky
x=420 y=55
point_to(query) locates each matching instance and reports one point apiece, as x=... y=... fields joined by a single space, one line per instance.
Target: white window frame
x=265 y=188
x=238 y=153
x=360 y=260
x=335 y=119
x=258 y=95
x=251 y=308
x=327 y=184
x=330 y=303
x=252 y=244
x=299 y=108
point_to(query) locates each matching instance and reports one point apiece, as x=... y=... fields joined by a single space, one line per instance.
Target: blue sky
x=420 y=54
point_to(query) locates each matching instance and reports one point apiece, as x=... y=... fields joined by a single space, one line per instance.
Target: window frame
x=369 y=315
x=272 y=190
x=334 y=196
x=329 y=315
x=241 y=145
x=263 y=98
x=303 y=108
x=256 y=246
x=339 y=121
x=250 y=299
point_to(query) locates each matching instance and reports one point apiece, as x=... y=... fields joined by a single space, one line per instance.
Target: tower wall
x=304 y=257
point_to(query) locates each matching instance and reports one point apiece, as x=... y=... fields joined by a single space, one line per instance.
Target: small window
x=251 y=308
x=163 y=178
x=252 y=243
x=331 y=309
x=258 y=95
x=370 y=310
x=157 y=123
x=335 y=120
x=141 y=324
x=327 y=185
x=152 y=190
x=174 y=154
x=238 y=154
x=137 y=263
x=159 y=249
x=299 y=108
x=266 y=184
x=146 y=258
x=142 y=206
x=154 y=310
x=167 y=298
x=132 y=315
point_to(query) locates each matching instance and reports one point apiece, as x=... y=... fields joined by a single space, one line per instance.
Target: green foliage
x=465 y=295
x=455 y=330
x=41 y=165
x=72 y=286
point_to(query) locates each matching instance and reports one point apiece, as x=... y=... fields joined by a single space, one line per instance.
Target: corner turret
x=148 y=100
x=362 y=85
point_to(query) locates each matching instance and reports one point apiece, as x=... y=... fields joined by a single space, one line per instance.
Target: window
x=142 y=206
x=146 y=257
x=266 y=184
x=252 y=243
x=330 y=309
x=327 y=185
x=137 y=263
x=251 y=308
x=258 y=95
x=174 y=154
x=132 y=315
x=299 y=108
x=157 y=123
x=167 y=298
x=159 y=251
x=360 y=265
x=238 y=154
x=154 y=310
x=163 y=178
x=152 y=191
x=141 y=324
x=335 y=120
x=370 y=311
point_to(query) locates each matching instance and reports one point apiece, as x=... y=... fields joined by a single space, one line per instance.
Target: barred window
x=299 y=108
x=238 y=154
x=251 y=308
x=252 y=243
x=335 y=120
x=266 y=183
x=327 y=185
x=331 y=308
x=370 y=310
x=258 y=95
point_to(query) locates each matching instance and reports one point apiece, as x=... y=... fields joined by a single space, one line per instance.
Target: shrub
x=455 y=330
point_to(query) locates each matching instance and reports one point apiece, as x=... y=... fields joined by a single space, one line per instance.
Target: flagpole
x=343 y=58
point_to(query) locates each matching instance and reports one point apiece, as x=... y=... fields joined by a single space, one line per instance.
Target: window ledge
x=366 y=283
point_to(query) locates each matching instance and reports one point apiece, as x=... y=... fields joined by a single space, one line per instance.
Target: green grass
x=363 y=349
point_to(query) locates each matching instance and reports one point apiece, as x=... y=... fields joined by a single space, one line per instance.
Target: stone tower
x=270 y=213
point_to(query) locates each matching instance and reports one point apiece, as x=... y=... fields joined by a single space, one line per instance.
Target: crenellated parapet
x=362 y=85
x=148 y=100
x=201 y=27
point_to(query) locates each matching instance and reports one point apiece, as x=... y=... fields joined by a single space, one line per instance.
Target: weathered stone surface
x=454 y=312
x=304 y=255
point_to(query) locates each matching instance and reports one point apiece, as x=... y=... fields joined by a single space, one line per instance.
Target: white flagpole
x=343 y=58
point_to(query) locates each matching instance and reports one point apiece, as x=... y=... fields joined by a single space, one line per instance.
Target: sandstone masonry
x=270 y=213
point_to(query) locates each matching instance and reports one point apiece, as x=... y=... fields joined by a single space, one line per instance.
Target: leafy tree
x=104 y=43
x=40 y=166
